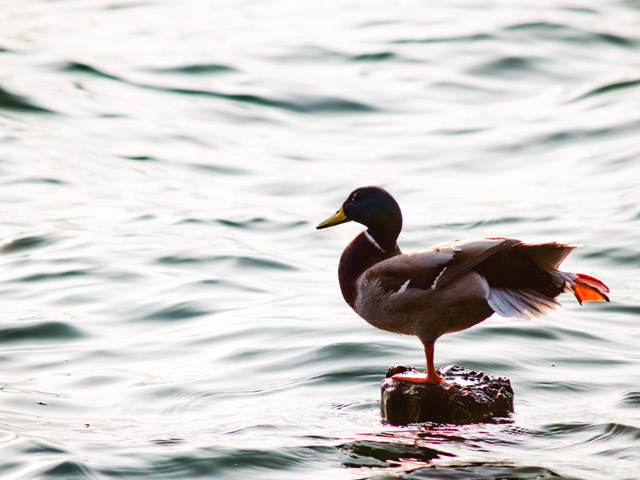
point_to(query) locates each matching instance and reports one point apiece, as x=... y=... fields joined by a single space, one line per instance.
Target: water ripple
x=630 y=399
x=67 y=469
x=473 y=38
x=48 y=330
x=508 y=66
x=301 y=104
x=14 y=101
x=197 y=69
x=25 y=243
x=365 y=453
x=222 y=461
x=28 y=180
x=42 y=276
x=237 y=261
x=375 y=57
x=180 y=311
x=569 y=33
x=609 y=87
x=614 y=431
x=86 y=69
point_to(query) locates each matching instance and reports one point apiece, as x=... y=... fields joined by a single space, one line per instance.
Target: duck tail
x=548 y=255
x=587 y=288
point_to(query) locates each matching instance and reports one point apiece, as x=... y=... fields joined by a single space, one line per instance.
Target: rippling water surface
x=168 y=309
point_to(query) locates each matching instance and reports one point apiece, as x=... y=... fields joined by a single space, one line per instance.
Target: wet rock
x=466 y=396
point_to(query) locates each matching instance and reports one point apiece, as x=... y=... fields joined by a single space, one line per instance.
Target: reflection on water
x=168 y=309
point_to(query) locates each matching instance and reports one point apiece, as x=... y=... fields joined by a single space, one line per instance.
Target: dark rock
x=465 y=396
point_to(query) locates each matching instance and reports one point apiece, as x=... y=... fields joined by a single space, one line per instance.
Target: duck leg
x=430 y=376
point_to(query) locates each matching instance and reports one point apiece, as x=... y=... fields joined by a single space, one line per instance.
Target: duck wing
x=522 y=280
x=435 y=267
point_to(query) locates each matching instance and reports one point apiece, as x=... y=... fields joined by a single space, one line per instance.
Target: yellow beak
x=335 y=219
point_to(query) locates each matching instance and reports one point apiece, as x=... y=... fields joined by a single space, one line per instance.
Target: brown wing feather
x=412 y=270
x=526 y=266
x=471 y=254
x=437 y=266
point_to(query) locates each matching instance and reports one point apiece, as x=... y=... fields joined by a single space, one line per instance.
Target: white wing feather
x=520 y=303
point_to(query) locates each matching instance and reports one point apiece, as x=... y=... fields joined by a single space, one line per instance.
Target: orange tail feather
x=587 y=288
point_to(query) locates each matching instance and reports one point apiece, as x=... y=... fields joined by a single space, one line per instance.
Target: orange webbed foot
x=418 y=377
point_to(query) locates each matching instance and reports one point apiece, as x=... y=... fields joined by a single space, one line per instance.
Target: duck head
x=374 y=208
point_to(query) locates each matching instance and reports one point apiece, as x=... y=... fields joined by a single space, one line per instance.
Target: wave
x=474 y=37
x=606 y=88
x=197 y=69
x=48 y=330
x=13 y=101
x=301 y=103
x=570 y=33
x=86 y=69
x=25 y=243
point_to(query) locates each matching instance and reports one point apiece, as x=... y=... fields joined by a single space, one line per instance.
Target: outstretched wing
x=469 y=254
x=523 y=280
x=437 y=266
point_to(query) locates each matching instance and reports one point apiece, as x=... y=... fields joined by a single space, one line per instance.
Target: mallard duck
x=448 y=287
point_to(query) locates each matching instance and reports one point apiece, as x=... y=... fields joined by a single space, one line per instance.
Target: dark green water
x=168 y=309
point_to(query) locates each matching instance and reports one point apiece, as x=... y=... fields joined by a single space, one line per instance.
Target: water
x=169 y=311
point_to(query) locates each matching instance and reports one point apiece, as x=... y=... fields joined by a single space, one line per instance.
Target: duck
x=449 y=287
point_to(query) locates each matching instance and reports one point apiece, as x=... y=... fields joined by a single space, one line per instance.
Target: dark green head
x=374 y=208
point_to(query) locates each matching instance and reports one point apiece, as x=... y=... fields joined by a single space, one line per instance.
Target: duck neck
x=383 y=239
x=362 y=253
